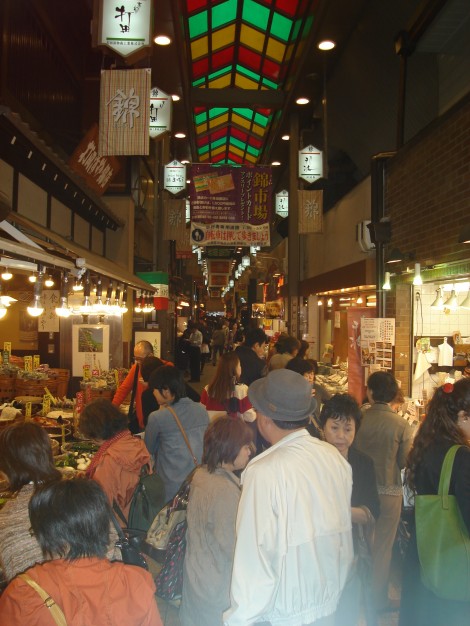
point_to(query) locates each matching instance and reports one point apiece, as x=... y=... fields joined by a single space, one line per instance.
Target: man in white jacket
x=294 y=547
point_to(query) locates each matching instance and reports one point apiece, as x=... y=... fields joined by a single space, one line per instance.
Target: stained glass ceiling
x=244 y=55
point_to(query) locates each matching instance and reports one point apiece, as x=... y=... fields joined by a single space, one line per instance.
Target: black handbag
x=129 y=542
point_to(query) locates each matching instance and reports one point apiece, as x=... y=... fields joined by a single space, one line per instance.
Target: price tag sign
x=7 y=346
x=28 y=363
x=86 y=372
x=36 y=361
x=28 y=411
x=46 y=405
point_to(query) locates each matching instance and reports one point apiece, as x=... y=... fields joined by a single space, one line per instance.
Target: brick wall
x=427 y=197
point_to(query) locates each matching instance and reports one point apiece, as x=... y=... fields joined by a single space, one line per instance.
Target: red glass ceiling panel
x=222 y=58
x=283 y=31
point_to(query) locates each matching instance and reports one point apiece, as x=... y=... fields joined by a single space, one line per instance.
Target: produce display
x=77 y=455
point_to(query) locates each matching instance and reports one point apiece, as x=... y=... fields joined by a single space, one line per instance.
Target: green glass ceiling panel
x=215 y=112
x=246 y=113
x=198 y=24
x=262 y=120
x=281 y=27
x=218 y=142
x=201 y=118
x=219 y=73
x=224 y=13
x=255 y=14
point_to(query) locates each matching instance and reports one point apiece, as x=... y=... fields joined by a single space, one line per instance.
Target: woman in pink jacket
x=117 y=464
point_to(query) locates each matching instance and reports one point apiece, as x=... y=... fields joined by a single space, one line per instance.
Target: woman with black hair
x=163 y=437
x=117 y=464
x=70 y=520
x=26 y=460
x=211 y=516
x=447 y=423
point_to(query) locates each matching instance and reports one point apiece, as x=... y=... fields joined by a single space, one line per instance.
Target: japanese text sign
x=223 y=234
x=310 y=164
x=161 y=106
x=125 y=27
x=230 y=194
x=282 y=203
x=124 y=112
x=174 y=177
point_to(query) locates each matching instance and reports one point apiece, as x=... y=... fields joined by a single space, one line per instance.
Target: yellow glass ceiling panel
x=252 y=38
x=235 y=150
x=199 y=48
x=224 y=37
x=218 y=150
x=250 y=158
x=258 y=130
x=201 y=128
x=275 y=50
x=241 y=121
x=218 y=121
x=245 y=83
x=220 y=83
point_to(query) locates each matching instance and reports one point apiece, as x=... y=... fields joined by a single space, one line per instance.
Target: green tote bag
x=443 y=540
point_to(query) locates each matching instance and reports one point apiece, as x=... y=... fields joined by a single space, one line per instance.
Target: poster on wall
x=90 y=347
x=154 y=337
x=377 y=341
x=356 y=372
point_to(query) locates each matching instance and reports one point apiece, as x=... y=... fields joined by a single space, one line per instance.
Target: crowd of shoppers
x=287 y=540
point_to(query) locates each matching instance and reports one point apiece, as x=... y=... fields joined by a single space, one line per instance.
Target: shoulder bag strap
x=134 y=387
x=446 y=472
x=185 y=437
x=54 y=609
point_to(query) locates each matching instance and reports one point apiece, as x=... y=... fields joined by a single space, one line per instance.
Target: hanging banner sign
x=310 y=164
x=97 y=171
x=230 y=194
x=223 y=234
x=175 y=177
x=161 y=107
x=159 y=282
x=310 y=211
x=282 y=203
x=125 y=27
x=124 y=112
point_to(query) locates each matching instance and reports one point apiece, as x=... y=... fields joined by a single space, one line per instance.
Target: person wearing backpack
x=118 y=463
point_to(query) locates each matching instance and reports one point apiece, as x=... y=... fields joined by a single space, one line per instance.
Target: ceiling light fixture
x=35 y=309
x=439 y=301
x=302 y=101
x=396 y=256
x=275 y=163
x=285 y=137
x=180 y=135
x=64 y=310
x=49 y=282
x=451 y=303
x=6 y=274
x=162 y=40
x=175 y=97
x=387 y=286
x=326 y=44
x=417 y=280
x=359 y=299
x=466 y=303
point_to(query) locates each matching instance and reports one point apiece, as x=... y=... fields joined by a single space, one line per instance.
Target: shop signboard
x=218 y=234
x=310 y=164
x=282 y=203
x=97 y=171
x=174 y=179
x=230 y=194
x=357 y=374
x=124 y=112
x=161 y=107
x=159 y=282
x=124 y=27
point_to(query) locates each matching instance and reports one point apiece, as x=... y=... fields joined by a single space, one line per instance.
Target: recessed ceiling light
x=276 y=163
x=180 y=135
x=162 y=40
x=285 y=137
x=175 y=97
x=302 y=101
x=184 y=162
x=326 y=44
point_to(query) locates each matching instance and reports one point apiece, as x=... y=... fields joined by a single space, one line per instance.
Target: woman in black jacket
x=447 y=423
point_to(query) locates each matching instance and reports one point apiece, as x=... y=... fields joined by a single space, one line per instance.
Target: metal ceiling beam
x=230 y=97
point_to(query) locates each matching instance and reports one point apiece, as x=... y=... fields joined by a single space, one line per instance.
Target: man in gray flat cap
x=294 y=548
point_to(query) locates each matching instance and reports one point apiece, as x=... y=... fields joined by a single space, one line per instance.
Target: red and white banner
x=124 y=112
